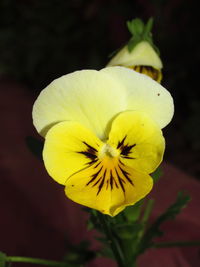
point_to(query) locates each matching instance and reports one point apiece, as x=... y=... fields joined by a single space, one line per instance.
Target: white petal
x=89 y=97
x=144 y=94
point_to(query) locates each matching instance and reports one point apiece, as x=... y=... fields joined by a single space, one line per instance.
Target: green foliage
x=140 y=32
x=2 y=259
x=154 y=230
x=130 y=230
x=79 y=254
x=157 y=174
x=147 y=211
x=132 y=213
x=125 y=230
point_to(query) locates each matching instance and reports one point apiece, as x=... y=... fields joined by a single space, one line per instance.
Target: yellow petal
x=108 y=187
x=142 y=54
x=144 y=94
x=139 y=140
x=69 y=147
x=90 y=97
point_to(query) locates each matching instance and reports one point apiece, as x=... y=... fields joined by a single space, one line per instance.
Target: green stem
x=35 y=261
x=148 y=210
x=176 y=244
x=116 y=249
x=145 y=217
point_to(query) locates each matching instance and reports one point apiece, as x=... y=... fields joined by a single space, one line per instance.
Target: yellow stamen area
x=108 y=151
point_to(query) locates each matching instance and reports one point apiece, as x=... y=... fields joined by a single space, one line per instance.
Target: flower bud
x=143 y=58
x=140 y=54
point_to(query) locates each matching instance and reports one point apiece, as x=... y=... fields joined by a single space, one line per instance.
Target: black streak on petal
x=111 y=180
x=97 y=165
x=92 y=162
x=126 y=176
x=94 y=176
x=107 y=184
x=92 y=149
x=121 y=143
x=102 y=182
x=88 y=155
x=127 y=149
x=120 y=180
x=97 y=181
x=126 y=157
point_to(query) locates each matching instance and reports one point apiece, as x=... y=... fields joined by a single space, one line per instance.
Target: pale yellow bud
x=143 y=58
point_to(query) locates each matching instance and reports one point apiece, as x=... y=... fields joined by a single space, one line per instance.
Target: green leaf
x=157 y=174
x=140 y=32
x=128 y=230
x=148 y=27
x=132 y=213
x=133 y=42
x=106 y=252
x=170 y=213
x=93 y=220
x=79 y=254
x=102 y=239
x=35 y=146
x=90 y=225
x=2 y=259
x=175 y=209
x=136 y=26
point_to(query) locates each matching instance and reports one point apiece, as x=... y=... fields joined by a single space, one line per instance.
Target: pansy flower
x=103 y=135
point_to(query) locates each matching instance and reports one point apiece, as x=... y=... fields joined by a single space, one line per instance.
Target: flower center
x=105 y=165
x=108 y=151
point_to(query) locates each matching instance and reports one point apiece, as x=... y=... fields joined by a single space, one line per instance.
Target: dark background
x=42 y=40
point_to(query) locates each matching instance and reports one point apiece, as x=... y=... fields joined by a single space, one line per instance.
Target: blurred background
x=42 y=40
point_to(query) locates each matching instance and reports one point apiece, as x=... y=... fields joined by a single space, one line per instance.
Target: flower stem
x=35 y=261
x=145 y=217
x=114 y=244
x=148 y=211
x=176 y=244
